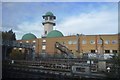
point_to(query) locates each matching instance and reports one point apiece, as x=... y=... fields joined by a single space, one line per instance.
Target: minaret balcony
x=50 y=22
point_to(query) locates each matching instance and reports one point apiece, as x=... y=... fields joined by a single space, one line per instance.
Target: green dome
x=49 y=14
x=28 y=36
x=54 y=33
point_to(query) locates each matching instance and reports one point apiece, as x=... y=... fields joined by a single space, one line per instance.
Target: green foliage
x=8 y=35
x=16 y=55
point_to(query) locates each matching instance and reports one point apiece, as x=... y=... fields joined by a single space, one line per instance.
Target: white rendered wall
x=48 y=27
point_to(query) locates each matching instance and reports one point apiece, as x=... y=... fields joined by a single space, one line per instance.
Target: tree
x=7 y=36
x=16 y=55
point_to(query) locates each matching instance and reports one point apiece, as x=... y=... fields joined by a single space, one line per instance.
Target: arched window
x=84 y=42
x=114 y=42
x=69 y=42
x=92 y=42
x=99 y=41
x=107 y=42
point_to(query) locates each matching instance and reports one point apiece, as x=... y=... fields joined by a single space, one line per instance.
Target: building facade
x=79 y=43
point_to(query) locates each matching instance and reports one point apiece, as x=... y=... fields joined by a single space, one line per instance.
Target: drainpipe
x=96 y=43
x=78 y=46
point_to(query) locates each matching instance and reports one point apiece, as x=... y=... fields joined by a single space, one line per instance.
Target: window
x=114 y=42
x=44 y=40
x=99 y=41
x=69 y=42
x=107 y=42
x=34 y=41
x=107 y=51
x=20 y=48
x=75 y=42
x=21 y=43
x=33 y=46
x=45 y=32
x=92 y=42
x=92 y=51
x=43 y=47
x=46 y=18
x=27 y=41
x=51 y=18
x=114 y=51
x=43 y=43
x=84 y=42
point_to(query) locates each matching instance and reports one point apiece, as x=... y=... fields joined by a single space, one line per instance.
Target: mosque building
x=76 y=43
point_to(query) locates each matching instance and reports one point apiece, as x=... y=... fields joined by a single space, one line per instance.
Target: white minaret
x=48 y=22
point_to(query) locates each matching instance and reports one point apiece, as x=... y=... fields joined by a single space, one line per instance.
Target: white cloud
x=30 y=27
x=104 y=22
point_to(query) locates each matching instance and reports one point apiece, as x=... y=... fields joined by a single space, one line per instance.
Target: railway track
x=59 y=67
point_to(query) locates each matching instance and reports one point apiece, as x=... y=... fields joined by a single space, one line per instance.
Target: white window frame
x=92 y=42
x=84 y=41
x=107 y=42
x=99 y=42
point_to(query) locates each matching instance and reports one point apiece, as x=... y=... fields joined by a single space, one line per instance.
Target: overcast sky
x=72 y=17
